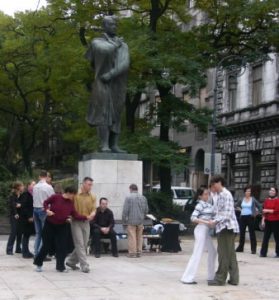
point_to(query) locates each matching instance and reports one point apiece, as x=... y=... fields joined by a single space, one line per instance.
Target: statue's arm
x=121 y=66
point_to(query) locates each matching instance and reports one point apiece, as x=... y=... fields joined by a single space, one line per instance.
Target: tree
x=42 y=79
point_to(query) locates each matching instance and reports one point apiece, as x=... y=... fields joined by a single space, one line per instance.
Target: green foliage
x=243 y=27
x=5 y=191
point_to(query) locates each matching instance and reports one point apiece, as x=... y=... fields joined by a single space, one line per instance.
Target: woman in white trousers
x=202 y=216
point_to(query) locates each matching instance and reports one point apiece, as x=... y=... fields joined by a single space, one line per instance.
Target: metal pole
x=213 y=132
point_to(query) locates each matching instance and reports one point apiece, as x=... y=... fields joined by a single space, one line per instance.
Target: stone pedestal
x=112 y=174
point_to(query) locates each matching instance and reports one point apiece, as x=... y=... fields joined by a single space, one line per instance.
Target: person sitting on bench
x=102 y=227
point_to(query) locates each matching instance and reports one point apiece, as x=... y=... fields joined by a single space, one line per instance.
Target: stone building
x=248 y=136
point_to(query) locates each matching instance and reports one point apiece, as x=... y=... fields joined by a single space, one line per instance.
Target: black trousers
x=25 y=244
x=270 y=227
x=54 y=235
x=96 y=240
x=249 y=221
x=15 y=235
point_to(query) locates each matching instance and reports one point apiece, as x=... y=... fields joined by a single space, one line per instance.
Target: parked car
x=181 y=194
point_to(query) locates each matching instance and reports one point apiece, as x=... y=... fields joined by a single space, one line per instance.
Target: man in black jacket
x=102 y=227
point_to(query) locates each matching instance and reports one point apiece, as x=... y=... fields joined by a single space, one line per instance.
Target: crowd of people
x=64 y=219
x=215 y=212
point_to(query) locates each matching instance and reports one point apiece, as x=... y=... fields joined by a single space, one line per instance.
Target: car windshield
x=183 y=194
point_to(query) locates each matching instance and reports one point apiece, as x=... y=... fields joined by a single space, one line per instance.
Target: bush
x=5 y=191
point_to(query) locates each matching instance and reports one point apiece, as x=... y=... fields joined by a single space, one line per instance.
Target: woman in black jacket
x=14 y=211
x=248 y=207
x=26 y=219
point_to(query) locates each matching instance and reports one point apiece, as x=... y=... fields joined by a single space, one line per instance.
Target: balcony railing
x=250 y=113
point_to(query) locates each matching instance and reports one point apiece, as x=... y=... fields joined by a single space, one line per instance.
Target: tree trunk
x=131 y=107
x=25 y=151
x=165 y=118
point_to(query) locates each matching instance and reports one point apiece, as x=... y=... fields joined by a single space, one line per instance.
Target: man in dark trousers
x=102 y=227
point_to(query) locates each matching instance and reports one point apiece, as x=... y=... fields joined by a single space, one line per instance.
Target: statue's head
x=110 y=25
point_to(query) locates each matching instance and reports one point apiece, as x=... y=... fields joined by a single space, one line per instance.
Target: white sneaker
x=39 y=269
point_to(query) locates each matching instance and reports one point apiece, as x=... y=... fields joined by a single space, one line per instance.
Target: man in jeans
x=134 y=211
x=41 y=191
x=226 y=229
x=85 y=205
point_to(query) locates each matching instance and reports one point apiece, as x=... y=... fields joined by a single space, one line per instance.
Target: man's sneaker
x=215 y=283
x=85 y=270
x=39 y=269
x=73 y=267
x=97 y=255
x=130 y=255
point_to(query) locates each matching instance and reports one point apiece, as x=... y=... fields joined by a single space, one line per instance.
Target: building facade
x=248 y=135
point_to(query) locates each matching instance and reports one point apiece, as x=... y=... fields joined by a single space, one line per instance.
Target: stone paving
x=153 y=276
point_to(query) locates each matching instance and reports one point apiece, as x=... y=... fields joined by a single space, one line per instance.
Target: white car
x=181 y=194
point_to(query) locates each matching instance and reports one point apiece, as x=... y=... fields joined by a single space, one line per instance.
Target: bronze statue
x=109 y=57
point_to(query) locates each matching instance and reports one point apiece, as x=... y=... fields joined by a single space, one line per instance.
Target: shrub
x=5 y=190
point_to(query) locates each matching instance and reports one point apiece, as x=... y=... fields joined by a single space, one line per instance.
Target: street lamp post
x=235 y=66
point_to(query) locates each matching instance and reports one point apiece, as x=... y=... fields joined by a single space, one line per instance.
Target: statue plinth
x=112 y=174
x=110 y=156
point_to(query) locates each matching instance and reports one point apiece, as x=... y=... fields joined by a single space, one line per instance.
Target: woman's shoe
x=28 y=255
x=39 y=269
x=192 y=282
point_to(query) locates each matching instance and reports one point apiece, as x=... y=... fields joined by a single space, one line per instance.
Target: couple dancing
x=220 y=214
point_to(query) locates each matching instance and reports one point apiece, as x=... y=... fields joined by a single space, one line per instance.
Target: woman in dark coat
x=26 y=219
x=14 y=211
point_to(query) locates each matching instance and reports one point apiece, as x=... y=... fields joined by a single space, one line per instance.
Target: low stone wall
x=4 y=225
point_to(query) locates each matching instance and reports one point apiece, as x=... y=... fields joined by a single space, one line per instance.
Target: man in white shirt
x=41 y=191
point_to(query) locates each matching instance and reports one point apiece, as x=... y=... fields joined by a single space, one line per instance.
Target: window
x=257 y=84
x=232 y=88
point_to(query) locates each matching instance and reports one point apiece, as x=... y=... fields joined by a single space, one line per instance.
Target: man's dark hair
x=70 y=190
x=102 y=198
x=43 y=173
x=87 y=179
x=216 y=179
x=133 y=187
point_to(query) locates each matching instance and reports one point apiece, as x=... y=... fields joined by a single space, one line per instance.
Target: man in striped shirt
x=226 y=229
x=134 y=212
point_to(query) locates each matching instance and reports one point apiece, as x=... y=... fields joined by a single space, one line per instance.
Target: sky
x=11 y=6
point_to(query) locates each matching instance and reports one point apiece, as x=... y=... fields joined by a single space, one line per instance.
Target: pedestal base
x=112 y=175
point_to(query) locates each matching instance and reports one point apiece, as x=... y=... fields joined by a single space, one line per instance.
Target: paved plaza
x=153 y=276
